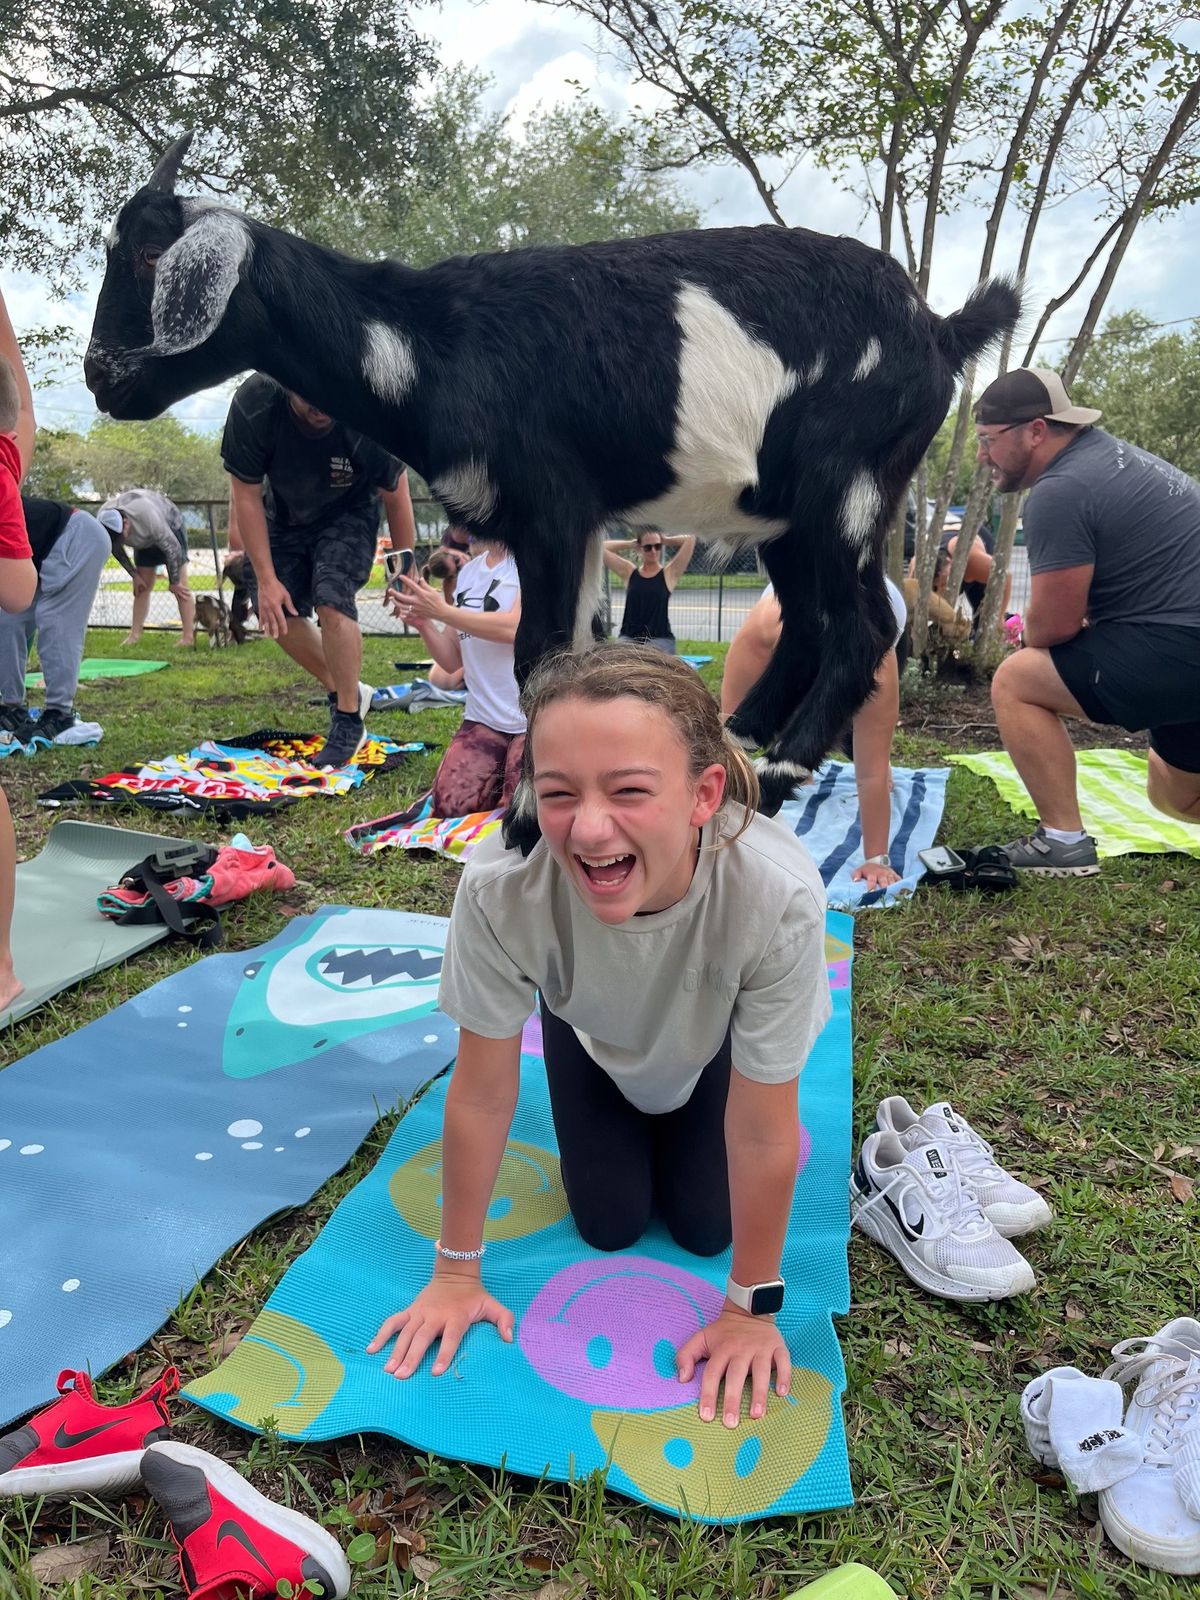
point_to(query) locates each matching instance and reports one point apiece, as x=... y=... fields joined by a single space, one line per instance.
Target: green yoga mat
x=58 y=936
x=1112 y=802
x=100 y=667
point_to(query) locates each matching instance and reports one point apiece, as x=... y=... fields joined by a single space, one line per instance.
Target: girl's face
x=616 y=804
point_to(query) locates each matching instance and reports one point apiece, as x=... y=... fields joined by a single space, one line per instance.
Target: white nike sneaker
x=1012 y=1207
x=1154 y=1516
x=918 y=1205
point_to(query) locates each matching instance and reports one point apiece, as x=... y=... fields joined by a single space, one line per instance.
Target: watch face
x=766 y=1299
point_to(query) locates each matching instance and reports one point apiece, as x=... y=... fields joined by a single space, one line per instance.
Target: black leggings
x=617 y=1161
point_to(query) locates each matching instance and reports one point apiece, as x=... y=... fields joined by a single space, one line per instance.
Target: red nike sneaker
x=233 y=1542
x=78 y=1446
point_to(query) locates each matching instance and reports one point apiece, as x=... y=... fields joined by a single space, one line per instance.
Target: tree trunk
x=989 y=642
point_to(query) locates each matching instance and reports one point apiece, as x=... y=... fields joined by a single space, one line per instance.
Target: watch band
x=760 y=1299
x=877 y=861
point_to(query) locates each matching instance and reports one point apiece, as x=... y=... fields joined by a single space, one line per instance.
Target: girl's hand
x=874 y=875
x=740 y=1349
x=445 y=1308
x=417 y=601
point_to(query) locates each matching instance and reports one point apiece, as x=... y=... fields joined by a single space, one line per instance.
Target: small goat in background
x=766 y=386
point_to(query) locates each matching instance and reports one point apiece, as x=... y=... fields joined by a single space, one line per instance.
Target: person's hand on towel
x=445 y=1308
x=741 y=1349
x=875 y=874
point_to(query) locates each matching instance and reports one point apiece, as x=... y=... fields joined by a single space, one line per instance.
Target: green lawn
x=1062 y=1019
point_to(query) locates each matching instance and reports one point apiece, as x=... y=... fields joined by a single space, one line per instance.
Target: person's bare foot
x=11 y=987
x=131 y=638
x=186 y=643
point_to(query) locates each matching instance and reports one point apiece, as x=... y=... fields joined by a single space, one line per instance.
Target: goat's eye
x=150 y=255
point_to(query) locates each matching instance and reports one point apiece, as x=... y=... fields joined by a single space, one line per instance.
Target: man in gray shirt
x=1112 y=630
x=152 y=527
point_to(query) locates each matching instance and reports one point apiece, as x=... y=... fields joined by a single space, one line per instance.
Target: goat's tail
x=992 y=309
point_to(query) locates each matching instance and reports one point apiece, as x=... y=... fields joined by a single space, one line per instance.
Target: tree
x=292 y=99
x=111 y=456
x=1147 y=386
x=572 y=175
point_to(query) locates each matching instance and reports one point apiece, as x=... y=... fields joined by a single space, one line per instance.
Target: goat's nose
x=93 y=372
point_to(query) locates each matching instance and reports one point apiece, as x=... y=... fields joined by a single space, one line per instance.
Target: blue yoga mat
x=135 y=1152
x=826 y=817
x=589 y=1383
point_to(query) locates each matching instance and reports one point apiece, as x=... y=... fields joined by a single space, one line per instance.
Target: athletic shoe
x=1050 y=858
x=56 y=726
x=78 y=1446
x=919 y=1206
x=232 y=1540
x=1012 y=1207
x=345 y=739
x=12 y=718
x=1153 y=1515
x=366 y=696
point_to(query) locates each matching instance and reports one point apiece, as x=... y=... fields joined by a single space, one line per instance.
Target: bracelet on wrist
x=877 y=861
x=458 y=1255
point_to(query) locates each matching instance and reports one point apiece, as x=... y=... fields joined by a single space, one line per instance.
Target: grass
x=1061 y=1018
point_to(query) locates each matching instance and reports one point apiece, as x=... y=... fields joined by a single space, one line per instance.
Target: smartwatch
x=760 y=1299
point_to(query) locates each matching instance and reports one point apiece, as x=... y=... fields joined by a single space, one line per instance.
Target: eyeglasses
x=985 y=443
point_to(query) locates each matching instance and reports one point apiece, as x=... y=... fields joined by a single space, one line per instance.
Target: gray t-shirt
x=650 y=999
x=1136 y=519
x=153 y=524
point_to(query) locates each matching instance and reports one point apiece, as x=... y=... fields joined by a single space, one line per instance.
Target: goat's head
x=173 y=266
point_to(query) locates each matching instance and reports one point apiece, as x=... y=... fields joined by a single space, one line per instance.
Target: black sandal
x=989 y=870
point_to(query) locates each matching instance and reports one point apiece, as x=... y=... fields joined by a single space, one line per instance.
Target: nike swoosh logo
x=65 y=1441
x=234 y=1530
x=909 y=1231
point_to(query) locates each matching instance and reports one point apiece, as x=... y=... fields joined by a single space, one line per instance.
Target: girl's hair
x=610 y=671
x=440 y=566
x=10 y=398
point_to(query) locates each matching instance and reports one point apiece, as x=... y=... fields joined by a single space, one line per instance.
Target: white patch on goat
x=388 y=363
x=111 y=235
x=729 y=384
x=860 y=508
x=468 y=490
x=524 y=801
x=871 y=357
x=194 y=280
x=814 y=370
x=590 y=584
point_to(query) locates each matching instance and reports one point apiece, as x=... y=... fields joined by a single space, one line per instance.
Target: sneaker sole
x=291 y=1525
x=1183 y=1560
x=108 y=1476
x=874 y=1225
x=1060 y=872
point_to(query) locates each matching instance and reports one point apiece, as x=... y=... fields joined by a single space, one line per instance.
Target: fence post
x=216 y=554
x=720 y=603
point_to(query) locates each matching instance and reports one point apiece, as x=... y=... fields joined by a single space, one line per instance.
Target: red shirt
x=14 y=541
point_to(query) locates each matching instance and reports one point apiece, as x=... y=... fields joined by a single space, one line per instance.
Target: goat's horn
x=167 y=171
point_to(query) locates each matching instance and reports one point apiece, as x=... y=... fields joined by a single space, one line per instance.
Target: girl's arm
x=479 y=1109
x=614 y=562
x=442 y=643
x=678 y=563
x=26 y=426
x=418 y=599
x=874 y=729
x=762 y=1139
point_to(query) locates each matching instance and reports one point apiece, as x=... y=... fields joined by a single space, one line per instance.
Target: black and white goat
x=754 y=385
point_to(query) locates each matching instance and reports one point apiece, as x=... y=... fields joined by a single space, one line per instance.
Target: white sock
x=1084 y=1419
x=1065 y=835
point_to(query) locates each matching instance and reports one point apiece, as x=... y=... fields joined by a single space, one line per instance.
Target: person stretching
x=677 y=941
x=648 y=588
x=152 y=527
x=482 y=763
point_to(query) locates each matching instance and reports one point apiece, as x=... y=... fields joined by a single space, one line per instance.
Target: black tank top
x=646 y=608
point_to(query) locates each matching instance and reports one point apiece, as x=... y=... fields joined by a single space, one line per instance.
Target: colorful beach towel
x=826 y=818
x=589 y=1383
x=248 y=775
x=418 y=829
x=1112 y=802
x=136 y=1151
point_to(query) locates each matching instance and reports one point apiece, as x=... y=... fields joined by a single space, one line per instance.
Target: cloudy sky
x=534 y=53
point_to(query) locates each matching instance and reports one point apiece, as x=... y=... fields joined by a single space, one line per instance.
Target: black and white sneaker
x=919 y=1206
x=366 y=696
x=57 y=725
x=345 y=739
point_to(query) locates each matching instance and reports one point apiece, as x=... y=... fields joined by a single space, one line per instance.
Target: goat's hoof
x=520 y=830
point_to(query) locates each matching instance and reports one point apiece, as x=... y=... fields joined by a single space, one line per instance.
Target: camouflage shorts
x=479 y=771
x=326 y=565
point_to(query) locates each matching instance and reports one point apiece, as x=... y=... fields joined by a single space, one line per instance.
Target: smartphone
x=941 y=860
x=399 y=564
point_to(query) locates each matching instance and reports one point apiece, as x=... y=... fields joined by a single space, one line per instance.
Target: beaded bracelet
x=458 y=1255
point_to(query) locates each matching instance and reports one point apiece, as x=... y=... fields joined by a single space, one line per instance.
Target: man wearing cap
x=1112 y=630
x=152 y=527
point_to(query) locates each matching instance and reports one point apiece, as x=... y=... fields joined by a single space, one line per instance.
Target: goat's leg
x=795 y=659
x=857 y=631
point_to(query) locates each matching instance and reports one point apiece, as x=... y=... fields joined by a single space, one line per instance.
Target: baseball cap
x=1027 y=393
x=110 y=519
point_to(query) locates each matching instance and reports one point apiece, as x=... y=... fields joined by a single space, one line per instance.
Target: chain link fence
x=707 y=605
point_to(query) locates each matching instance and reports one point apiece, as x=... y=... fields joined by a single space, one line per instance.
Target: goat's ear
x=167 y=171
x=194 y=280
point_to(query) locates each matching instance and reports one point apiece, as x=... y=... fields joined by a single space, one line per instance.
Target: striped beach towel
x=1112 y=802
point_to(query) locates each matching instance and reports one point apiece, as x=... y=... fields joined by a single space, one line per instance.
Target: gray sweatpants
x=58 y=617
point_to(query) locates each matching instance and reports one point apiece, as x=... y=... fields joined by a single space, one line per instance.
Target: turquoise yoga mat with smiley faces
x=589 y=1383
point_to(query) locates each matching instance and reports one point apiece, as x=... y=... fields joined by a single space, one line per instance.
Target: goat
x=212 y=618
x=234 y=573
x=758 y=385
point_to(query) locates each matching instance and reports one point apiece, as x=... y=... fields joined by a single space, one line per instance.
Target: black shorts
x=1139 y=675
x=153 y=557
x=326 y=565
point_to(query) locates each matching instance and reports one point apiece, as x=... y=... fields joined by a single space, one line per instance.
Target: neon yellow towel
x=1112 y=802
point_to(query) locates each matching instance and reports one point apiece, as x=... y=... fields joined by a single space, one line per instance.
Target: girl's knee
x=610 y=1232
x=702 y=1236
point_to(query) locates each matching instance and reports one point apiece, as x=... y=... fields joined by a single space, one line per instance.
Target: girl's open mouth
x=606 y=872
